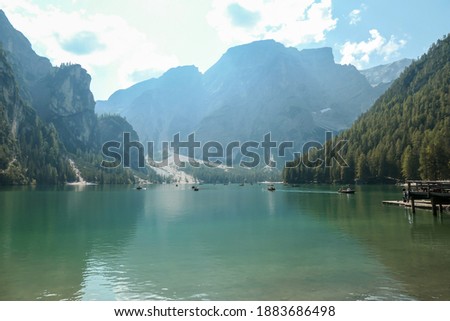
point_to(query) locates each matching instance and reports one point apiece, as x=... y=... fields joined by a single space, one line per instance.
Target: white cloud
x=291 y=22
x=359 y=53
x=354 y=16
x=392 y=47
x=56 y=34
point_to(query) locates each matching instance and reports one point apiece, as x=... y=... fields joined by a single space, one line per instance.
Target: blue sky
x=123 y=42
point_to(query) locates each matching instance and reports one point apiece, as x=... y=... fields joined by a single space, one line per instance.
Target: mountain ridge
x=252 y=89
x=386 y=73
x=404 y=135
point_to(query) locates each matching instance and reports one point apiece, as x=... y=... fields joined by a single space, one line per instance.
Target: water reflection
x=47 y=237
x=221 y=243
x=414 y=247
x=238 y=244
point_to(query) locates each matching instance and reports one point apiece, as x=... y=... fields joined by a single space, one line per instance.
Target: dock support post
x=433 y=206
x=441 y=209
x=413 y=206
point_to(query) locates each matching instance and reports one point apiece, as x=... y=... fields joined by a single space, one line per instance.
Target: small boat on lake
x=347 y=190
x=139 y=188
x=271 y=188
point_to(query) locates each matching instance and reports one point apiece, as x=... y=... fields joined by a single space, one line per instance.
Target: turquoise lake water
x=220 y=243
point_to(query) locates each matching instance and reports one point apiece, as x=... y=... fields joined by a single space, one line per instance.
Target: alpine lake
x=219 y=243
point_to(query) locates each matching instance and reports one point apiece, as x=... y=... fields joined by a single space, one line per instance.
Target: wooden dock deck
x=425 y=195
x=437 y=192
x=422 y=205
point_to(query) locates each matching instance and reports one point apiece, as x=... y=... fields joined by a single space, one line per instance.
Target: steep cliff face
x=63 y=98
x=30 y=150
x=60 y=95
x=8 y=115
x=46 y=117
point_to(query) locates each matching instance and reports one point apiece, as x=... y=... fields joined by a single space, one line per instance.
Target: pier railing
x=436 y=191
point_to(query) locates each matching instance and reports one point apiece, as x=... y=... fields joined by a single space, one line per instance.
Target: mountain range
x=252 y=90
x=49 y=124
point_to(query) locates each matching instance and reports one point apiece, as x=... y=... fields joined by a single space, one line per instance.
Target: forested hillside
x=47 y=120
x=405 y=135
x=30 y=150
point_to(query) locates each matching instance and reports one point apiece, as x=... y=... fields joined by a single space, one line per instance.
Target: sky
x=123 y=42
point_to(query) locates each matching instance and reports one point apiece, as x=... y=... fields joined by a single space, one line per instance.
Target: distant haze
x=252 y=90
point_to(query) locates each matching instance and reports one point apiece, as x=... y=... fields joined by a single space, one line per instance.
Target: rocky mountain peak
x=317 y=57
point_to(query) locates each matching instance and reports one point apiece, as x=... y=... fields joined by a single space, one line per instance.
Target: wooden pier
x=438 y=192
x=426 y=205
